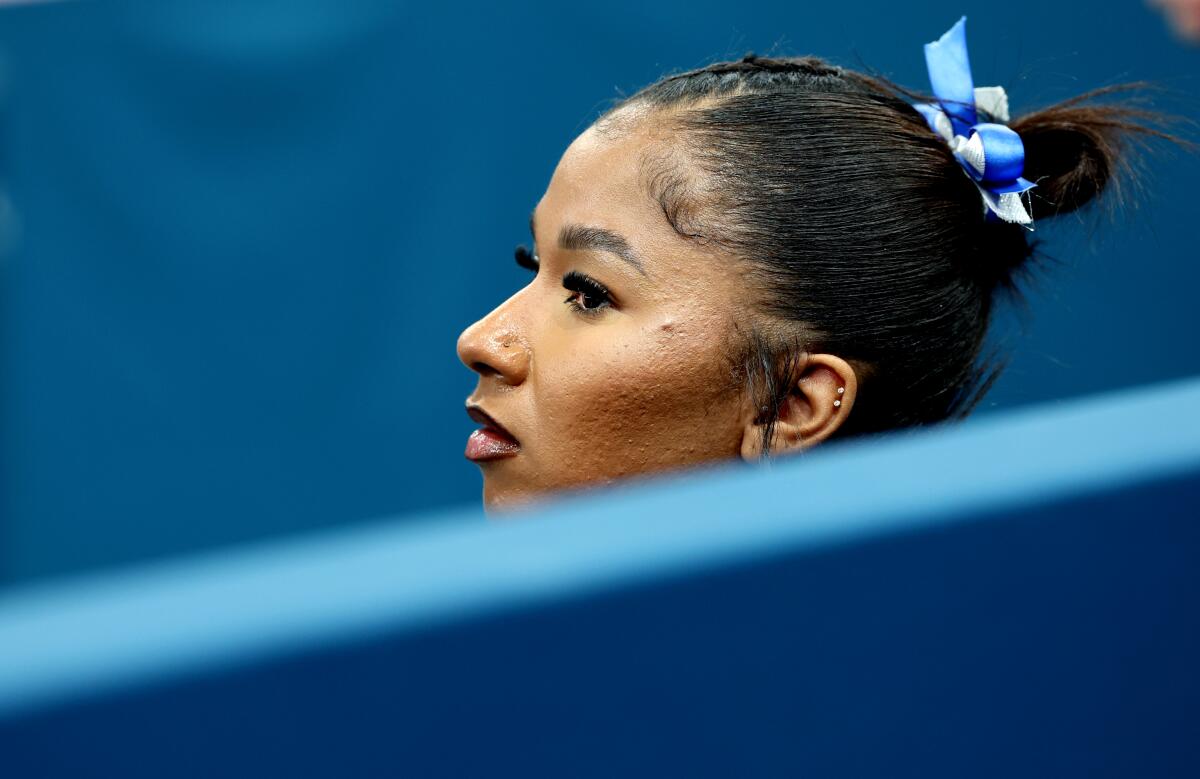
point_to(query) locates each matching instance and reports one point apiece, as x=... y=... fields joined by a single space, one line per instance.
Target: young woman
x=758 y=256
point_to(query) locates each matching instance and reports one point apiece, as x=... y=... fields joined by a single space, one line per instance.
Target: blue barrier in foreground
x=1012 y=597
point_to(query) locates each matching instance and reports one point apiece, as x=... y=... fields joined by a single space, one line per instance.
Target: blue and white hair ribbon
x=992 y=154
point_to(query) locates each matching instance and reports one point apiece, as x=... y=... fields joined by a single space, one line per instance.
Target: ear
x=819 y=401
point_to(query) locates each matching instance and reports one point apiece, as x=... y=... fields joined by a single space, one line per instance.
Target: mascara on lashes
x=580 y=283
x=525 y=258
x=572 y=280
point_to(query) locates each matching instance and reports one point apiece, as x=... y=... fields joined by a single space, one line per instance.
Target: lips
x=490 y=442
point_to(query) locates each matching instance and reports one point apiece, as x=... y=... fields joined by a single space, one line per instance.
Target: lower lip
x=488 y=444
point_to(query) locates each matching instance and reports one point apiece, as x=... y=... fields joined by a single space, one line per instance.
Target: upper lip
x=487 y=420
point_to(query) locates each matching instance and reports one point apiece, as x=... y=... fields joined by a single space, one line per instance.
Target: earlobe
x=819 y=400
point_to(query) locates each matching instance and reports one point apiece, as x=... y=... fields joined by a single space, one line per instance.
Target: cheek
x=620 y=402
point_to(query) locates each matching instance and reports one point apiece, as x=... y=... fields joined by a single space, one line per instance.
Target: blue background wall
x=239 y=243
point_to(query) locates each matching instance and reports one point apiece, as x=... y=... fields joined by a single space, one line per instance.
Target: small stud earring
x=837 y=403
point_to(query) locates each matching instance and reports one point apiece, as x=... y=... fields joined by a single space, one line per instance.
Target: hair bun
x=1077 y=149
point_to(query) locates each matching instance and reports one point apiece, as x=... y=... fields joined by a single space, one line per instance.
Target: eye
x=588 y=295
x=527 y=259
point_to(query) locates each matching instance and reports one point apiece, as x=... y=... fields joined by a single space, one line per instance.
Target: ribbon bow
x=991 y=154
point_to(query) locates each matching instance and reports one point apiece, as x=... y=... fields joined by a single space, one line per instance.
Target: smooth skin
x=597 y=389
x=1184 y=17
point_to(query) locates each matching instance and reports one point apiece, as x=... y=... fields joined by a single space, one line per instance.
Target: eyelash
x=578 y=283
x=589 y=288
x=527 y=259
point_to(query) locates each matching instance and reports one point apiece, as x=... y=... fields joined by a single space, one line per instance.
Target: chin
x=498 y=502
x=501 y=496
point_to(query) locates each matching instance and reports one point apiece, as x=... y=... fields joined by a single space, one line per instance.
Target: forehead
x=597 y=180
x=600 y=181
x=610 y=177
x=606 y=178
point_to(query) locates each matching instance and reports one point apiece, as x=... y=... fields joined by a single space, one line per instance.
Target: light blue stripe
x=104 y=632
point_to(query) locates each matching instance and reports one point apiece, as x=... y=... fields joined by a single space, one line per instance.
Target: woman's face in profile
x=615 y=358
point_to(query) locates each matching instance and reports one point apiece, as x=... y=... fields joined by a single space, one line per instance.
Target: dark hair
x=859 y=224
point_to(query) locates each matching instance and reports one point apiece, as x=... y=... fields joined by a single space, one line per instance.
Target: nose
x=496 y=347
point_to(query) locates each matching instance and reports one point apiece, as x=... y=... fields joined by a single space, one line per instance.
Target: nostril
x=483 y=369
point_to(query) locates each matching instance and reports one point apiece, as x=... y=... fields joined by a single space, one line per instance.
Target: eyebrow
x=582 y=237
